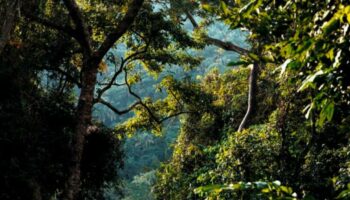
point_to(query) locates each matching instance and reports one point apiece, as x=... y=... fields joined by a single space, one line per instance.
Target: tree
x=91 y=62
x=37 y=115
x=151 y=42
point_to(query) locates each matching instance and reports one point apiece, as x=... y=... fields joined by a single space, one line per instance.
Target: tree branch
x=111 y=82
x=122 y=27
x=121 y=112
x=69 y=76
x=114 y=84
x=150 y=112
x=117 y=73
x=174 y=115
x=80 y=25
x=192 y=20
x=228 y=46
x=114 y=109
x=66 y=29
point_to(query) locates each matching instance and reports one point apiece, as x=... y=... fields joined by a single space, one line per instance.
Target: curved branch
x=228 y=46
x=111 y=82
x=134 y=55
x=174 y=115
x=117 y=73
x=251 y=96
x=114 y=109
x=150 y=112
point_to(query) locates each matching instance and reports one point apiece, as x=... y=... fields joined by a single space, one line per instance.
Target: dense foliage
x=309 y=156
x=37 y=115
x=279 y=146
x=242 y=99
x=36 y=128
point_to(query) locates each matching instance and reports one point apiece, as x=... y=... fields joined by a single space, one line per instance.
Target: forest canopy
x=174 y=99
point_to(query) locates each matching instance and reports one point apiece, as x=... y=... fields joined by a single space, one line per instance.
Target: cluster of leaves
x=195 y=149
x=312 y=40
x=308 y=37
x=258 y=190
x=210 y=160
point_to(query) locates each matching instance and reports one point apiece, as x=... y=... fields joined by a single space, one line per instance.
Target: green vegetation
x=174 y=99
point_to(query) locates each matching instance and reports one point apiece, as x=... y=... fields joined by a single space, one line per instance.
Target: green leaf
x=347 y=13
x=224 y=8
x=276 y=183
x=330 y=54
x=327 y=111
x=284 y=66
x=207 y=7
x=268 y=59
x=331 y=25
x=254 y=56
x=250 y=7
x=308 y=110
x=305 y=46
x=209 y=188
x=247 y=7
x=343 y=194
x=265 y=190
x=286 y=189
x=309 y=80
x=336 y=63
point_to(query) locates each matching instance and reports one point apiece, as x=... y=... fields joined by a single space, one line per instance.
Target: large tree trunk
x=8 y=23
x=251 y=96
x=84 y=116
x=89 y=76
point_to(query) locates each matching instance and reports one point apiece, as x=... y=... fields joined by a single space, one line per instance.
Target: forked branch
x=81 y=26
x=123 y=26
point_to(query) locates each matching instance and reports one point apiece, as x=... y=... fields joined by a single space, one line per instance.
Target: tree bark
x=8 y=23
x=253 y=76
x=84 y=116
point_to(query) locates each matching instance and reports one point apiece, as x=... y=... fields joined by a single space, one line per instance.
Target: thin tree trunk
x=84 y=116
x=8 y=23
x=253 y=76
x=284 y=155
